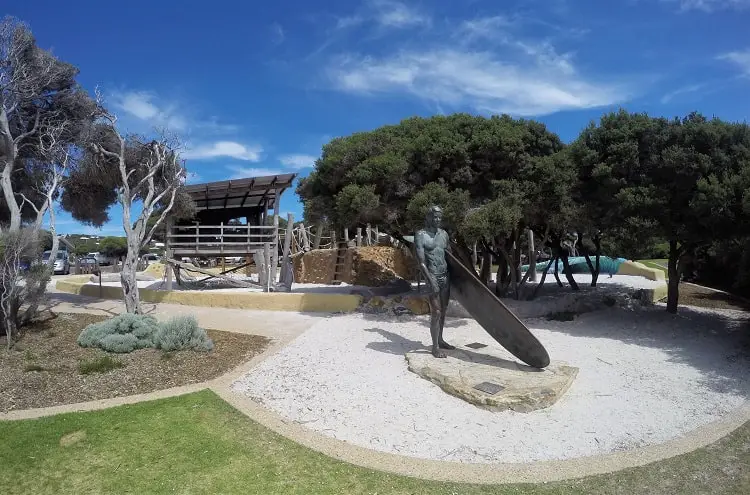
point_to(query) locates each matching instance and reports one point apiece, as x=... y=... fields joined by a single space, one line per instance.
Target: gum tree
x=43 y=114
x=139 y=174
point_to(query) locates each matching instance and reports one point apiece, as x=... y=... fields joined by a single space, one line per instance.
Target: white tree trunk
x=128 y=278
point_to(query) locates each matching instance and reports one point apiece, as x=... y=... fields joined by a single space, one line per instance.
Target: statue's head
x=434 y=216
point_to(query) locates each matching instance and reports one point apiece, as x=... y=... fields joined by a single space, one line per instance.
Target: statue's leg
x=445 y=294
x=435 y=319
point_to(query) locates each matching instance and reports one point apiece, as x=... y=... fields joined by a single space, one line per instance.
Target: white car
x=62 y=262
x=100 y=258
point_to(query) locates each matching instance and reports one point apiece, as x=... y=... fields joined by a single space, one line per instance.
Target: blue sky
x=257 y=88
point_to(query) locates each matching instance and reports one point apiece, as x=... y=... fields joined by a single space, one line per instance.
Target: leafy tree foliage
x=682 y=180
x=629 y=184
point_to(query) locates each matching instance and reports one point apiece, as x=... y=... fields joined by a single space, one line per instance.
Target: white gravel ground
x=645 y=377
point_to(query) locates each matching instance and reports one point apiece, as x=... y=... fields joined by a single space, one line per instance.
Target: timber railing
x=219 y=238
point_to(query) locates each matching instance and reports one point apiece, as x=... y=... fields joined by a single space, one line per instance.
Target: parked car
x=151 y=257
x=101 y=258
x=61 y=264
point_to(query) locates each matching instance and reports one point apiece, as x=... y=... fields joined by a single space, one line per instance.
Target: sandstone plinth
x=507 y=384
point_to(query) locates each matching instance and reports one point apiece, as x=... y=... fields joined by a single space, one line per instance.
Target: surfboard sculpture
x=492 y=315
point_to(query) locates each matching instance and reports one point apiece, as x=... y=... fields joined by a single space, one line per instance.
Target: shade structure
x=250 y=192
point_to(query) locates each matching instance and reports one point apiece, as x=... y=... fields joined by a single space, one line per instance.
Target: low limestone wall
x=640 y=270
x=577 y=302
x=275 y=301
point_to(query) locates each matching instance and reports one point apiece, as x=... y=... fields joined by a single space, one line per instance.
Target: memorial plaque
x=489 y=388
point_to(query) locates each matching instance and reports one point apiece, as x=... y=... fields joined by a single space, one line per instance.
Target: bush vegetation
x=129 y=332
x=182 y=332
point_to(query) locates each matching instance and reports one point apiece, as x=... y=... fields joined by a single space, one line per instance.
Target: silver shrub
x=128 y=332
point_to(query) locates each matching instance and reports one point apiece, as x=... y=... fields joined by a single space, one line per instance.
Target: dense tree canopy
x=681 y=180
x=375 y=176
x=629 y=182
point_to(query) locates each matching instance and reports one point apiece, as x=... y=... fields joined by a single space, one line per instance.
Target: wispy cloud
x=349 y=21
x=681 y=91
x=298 y=161
x=540 y=84
x=221 y=149
x=395 y=14
x=243 y=172
x=484 y=27
x=277 y=33
x=481 y=63
x=142 y=106
x=385 y=13
x=740 y=58
x=710 y=5
x=145 y=111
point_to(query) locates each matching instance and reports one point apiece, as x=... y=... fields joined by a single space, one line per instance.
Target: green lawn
x=199 y=444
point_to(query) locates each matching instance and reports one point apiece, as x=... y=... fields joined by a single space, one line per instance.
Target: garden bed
x=704 y=297
x=47 y=367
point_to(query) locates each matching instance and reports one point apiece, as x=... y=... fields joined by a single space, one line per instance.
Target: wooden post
x=275 y=247
x=334 y=240
x=305 y=238
x=377 y=236
x=532 y=257
x=168 y=251
x=359 y=236
x=346 y=237
x=267 y=257
x=287 y=246
x=369 y=235
x=318 y=235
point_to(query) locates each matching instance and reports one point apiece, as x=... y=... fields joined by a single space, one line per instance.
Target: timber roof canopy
x=251 y=192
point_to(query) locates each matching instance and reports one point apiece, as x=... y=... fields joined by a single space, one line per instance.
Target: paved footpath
x=282 y=328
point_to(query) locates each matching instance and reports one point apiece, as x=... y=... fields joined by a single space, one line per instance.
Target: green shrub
x=180 y=333
x=123 y=333
x=99 y=365
x=128 y=332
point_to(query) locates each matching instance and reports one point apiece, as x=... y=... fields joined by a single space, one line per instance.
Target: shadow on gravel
x=716 y=345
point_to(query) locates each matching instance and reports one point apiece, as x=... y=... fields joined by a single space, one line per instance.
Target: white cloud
x=228 y=149
x=711 y=5
x=244 y=172
x=141 y=105
x=539 y=82
x=395 y=14
x=298 y=161
x=739 y=58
